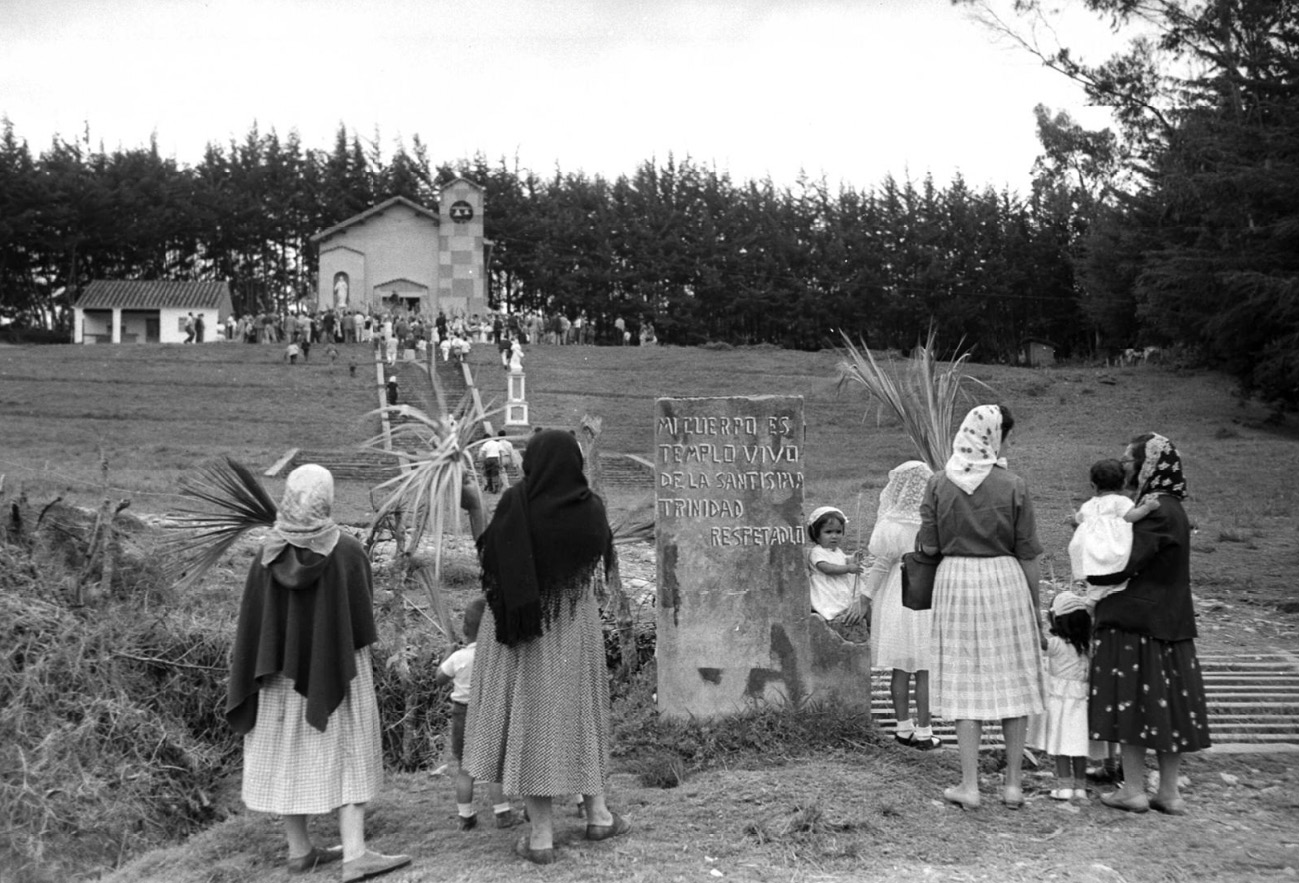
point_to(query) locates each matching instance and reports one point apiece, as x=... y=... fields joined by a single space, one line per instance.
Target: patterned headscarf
x=901 y=497
x=304 y=519
x=976 y=448
x=1161 y=471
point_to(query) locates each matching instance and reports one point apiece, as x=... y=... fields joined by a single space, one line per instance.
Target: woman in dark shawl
x=301 y=691
x=539 y=709
x=1147 y=690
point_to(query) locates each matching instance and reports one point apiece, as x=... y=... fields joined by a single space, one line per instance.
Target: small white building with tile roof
x=399 y=254
x=112 y=311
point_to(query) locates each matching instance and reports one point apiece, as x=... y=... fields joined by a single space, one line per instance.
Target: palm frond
x=436 y=458
x=922 y=398
x=230 y=501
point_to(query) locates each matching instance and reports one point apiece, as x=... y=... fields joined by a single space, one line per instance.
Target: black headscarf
x=547 y=536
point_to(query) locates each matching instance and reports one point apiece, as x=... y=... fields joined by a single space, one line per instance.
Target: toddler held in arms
x=1102 y=542
x=835 y=577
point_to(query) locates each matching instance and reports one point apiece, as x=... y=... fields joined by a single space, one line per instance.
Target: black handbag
x=918 y=571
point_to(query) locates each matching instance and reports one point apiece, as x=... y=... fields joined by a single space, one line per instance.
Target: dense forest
x=1179 y=229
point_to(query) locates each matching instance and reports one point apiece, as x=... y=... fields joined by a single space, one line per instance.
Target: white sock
x=906 y=727
x=466 y=810
x=924 y=734
x=501 y=808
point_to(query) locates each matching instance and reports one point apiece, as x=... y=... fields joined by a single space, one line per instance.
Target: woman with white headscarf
x=301 y=690
x=987 y=658
x=901 y=636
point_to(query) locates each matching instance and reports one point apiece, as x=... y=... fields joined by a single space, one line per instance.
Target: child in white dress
x=1065 y=719
x=1102 y=542
x=834 y=576
x=901 y=637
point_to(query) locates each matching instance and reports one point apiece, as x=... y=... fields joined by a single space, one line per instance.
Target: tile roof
x=108 y=293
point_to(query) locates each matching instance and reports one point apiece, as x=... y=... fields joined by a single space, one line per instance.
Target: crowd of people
x=406 y=325
x=1109 y=666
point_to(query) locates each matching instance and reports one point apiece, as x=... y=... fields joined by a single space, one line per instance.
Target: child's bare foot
x=962 y=798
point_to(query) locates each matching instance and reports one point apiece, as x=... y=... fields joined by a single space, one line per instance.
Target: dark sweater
x=1157 y=601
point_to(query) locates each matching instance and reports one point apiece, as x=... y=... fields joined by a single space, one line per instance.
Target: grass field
x=158 y=410
x=864 y=811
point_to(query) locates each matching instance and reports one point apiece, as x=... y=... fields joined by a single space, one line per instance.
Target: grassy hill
x=763 y=805
x=157 y=410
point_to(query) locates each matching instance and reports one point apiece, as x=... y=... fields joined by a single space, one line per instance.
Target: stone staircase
x=1253 y=703
x=359 y=465
x=627 y=472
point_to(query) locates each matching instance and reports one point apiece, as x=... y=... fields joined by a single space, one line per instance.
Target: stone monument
x=516 y=402
x=735 y=627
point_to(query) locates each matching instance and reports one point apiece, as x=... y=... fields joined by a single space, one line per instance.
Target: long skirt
x=1147 y=692
x=539 y=712
x=903 y=637
x=291 y=768
x=987 y=663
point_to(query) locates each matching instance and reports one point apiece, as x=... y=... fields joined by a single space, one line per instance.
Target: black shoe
x=468 y=823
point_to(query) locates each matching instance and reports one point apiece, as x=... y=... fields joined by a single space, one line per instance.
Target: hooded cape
x=304 y=616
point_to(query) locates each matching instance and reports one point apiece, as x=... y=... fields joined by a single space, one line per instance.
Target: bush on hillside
x=109 y=726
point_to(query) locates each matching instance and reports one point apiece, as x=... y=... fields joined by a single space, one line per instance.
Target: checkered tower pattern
x=462 y=278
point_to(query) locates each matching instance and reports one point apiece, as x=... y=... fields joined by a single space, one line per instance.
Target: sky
x=848 y=90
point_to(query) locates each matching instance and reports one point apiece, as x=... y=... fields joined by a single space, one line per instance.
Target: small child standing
x=835 y=577
x=458 y=670
x=1067 y=664
x=1102 y=543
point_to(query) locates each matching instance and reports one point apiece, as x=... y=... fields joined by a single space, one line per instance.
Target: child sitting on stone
x=834 y=576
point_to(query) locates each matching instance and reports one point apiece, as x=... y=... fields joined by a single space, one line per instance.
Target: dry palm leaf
x=234 y=502
x=923 y=398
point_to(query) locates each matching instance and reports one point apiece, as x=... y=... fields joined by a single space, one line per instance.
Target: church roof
x=376 y=210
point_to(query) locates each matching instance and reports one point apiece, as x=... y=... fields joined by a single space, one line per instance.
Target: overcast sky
x=849 y=89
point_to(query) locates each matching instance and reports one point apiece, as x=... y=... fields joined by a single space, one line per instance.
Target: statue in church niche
x=340 y=291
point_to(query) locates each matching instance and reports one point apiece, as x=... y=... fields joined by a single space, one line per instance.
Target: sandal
x=618 y=826
x=314 y=859
x=523 y=849
x=952 y=795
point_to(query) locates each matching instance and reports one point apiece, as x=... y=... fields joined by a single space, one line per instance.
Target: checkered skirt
x=987 y=663
x=291 y=768
x=539 y=712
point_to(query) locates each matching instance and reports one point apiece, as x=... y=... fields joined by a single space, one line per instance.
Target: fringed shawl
x=547 y=536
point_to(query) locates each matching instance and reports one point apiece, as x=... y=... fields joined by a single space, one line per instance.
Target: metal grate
x=1253 y=703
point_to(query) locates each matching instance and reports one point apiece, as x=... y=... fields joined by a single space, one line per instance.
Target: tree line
x=1180 y=229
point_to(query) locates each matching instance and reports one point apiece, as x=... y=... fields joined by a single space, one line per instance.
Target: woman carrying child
x=835 y=577
x=902 y=636
x=539 y=703
x=1066 y=694
x=1147 y=690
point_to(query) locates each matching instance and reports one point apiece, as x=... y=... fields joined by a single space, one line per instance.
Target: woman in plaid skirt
x=987 y=658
